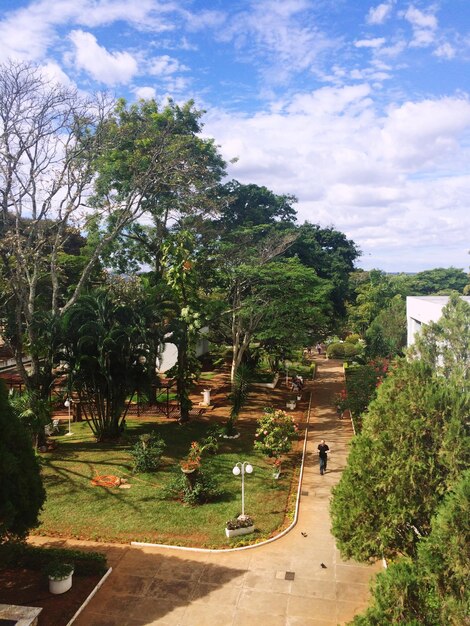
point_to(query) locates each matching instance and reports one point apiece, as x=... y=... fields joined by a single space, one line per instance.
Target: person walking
x=323 y=455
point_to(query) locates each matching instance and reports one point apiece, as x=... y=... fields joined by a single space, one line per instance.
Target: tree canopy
x=404 y=493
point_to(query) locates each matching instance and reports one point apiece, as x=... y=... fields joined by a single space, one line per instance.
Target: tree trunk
x=182 y=378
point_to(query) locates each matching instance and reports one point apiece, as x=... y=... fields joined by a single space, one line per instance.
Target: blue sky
x=359 y=108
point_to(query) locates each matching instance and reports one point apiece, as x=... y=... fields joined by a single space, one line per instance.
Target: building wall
x=422 y=310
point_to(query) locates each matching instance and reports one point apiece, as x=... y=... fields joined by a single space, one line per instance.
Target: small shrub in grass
x=147 y=453
x=210 y=443
x=200 y=488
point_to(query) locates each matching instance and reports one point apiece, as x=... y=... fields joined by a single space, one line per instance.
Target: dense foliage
x=105 y=348
x=21 y=491
x=404 y=494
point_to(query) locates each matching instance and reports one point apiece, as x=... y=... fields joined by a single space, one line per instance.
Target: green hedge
x=36 y=558
x=343 y=350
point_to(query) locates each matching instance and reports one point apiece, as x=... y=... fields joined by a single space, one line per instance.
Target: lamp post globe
x=242 y=468
x=68 y=404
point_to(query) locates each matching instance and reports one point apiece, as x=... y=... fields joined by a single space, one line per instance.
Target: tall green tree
x=50 y=138
x=21 y=492
x=243 y=206
x=372 y=292
x=158 y=158
x=431 y=589
x=436 y=281
x=180 y=273
x=382 y=508
x=105 y=347
x=386 y=336
x=405 y=492
x=331 y=255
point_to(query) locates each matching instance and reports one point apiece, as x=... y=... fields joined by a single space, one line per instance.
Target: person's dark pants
x=323 y=461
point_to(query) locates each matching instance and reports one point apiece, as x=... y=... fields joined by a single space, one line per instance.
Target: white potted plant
x=60 y=576
x=241 y=525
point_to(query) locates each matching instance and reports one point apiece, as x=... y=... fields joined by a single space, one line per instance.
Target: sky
x=359 y=108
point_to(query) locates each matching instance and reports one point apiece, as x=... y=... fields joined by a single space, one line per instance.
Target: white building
x=422 y=310
x=169 y=353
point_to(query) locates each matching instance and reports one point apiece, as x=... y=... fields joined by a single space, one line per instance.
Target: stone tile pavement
x=282 y=583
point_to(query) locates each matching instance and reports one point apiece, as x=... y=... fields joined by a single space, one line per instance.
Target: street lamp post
x=241 y=468
x=67 y=404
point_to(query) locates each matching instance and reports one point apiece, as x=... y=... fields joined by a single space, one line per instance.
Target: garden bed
x=74 y=508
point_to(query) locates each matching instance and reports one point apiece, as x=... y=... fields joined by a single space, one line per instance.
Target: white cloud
x=380 y=13
x=420 y=134
x=145 y=93
x=29 y=32
x=205 y=19
x=281 y=36
x=392 y=180
x=164 y=66
x=424 y=26
x=110 y=68
x=394 y=50
x=141 y=14
x=419 y=19
x=55 y=73
x=370 y=43
x=445 y=51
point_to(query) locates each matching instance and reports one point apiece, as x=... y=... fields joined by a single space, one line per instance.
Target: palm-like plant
x=34 y=413
x=108 y=359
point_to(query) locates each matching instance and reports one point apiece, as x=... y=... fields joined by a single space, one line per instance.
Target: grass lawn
x=74 y=508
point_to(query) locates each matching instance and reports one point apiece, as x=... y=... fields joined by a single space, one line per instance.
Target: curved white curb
x=90 y=597
x=143 y=544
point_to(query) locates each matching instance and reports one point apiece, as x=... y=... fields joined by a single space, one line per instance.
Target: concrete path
x=280 y=584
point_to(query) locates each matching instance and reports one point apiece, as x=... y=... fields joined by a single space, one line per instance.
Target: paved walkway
x=281 y=584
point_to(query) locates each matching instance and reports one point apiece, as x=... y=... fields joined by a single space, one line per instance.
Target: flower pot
x=188 y=471
x=60 y=585
x=239 y=531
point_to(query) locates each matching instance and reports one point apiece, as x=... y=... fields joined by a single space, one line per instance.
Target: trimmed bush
x=353 y=338
x=335 y=350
